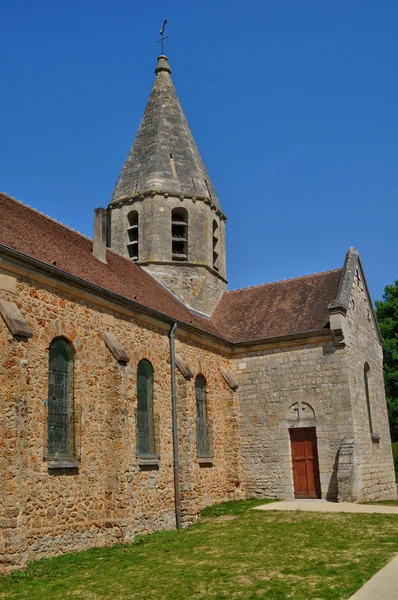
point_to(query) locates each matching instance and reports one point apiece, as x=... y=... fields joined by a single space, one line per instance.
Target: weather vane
x=161 y=31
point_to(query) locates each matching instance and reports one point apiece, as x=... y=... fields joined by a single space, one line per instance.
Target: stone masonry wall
x=109 y=498
x=277 y=385
x=194 y=281
x=196 y=286
x=374 y=457
x=205 y=483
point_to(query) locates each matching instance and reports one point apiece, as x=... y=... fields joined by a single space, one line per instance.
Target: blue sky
x=293 y=106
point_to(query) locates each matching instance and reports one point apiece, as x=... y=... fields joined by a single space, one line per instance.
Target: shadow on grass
x=236 y=508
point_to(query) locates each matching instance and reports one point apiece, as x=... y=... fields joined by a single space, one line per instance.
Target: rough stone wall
x=208 y=482
x=109 y=498
x=375 y=465
x=194 y=281
x=277 y=385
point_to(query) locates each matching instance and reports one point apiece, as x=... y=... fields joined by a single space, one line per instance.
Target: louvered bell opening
x=132 y=232
x=179 y=234
x=215 y=246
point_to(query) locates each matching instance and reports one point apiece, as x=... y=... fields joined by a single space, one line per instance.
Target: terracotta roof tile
x=276 y=309
x=32 y=233
x=270 y=310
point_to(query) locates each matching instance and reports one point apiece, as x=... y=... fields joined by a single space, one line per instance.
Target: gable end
x=341 y=304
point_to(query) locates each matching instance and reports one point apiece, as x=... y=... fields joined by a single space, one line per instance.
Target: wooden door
x=305 y=463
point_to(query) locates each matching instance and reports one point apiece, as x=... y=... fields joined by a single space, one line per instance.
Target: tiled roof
x=271 y=310
x=32 y=233
x=276 y=309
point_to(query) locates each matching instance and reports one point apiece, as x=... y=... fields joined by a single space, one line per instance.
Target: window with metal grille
x=147 y=446
x=132 y=231
x=60 y=419
x=204 y=432
x=366 y=374
x=179 y=234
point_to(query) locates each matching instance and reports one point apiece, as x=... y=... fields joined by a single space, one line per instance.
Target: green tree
x=387 y=316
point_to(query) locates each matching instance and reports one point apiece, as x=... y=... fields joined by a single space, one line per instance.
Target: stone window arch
x=132 y=231
x=366 y=376
x=146 y=443
x=179 y=234
x=60 y=416
x=216 y=251
x=204 y=438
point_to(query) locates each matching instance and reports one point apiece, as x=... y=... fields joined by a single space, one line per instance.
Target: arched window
x=60 y=419
x=204 y=439
x=366 y=374
x=146 y=444
x=215 y=246
x=179 y=234
x=132 y=231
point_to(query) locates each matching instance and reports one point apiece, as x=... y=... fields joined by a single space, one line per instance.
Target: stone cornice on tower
x=151 y=193
x=164 y=156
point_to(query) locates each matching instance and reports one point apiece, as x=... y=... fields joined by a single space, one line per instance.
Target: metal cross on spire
x=161 y=31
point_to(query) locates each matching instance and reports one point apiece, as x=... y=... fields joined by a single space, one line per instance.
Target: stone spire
x=164 y=157
x=164 y=213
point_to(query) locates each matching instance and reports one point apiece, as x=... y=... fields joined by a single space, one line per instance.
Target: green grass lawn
x=257 y=555
x=385 y=502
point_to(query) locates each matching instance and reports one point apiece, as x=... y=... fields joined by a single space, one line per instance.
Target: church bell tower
x=164 y=213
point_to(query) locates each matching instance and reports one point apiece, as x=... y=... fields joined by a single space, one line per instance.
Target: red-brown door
x=305 y=463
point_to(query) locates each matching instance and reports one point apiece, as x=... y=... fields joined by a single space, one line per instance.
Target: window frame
x=366 y=372
x=179 y=234
x=204 y=426
x=133 y=245
x=61 y=366
x=147 y=446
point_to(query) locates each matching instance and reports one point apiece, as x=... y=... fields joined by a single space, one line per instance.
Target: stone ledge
x=8 y=283
x=182 y=264
x=183 y=367
x=14 y=320
x=148 y=462
x=231 y=381
x=115 y=347
x=63 y=464
x=206 y=462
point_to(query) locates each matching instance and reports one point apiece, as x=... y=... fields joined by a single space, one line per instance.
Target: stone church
x=135 y=389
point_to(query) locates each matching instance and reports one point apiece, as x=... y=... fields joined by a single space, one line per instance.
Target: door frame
x=312 y=437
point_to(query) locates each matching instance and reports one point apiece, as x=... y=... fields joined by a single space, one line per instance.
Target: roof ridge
x=39 y=212
x=251 y=287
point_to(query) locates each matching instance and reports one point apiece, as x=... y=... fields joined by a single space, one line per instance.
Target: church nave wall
x=107 y=496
